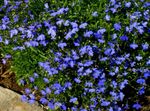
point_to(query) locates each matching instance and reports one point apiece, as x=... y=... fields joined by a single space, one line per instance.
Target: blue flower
x=43 y=92
x=83 y=25
x=91 y=90
x=137 y=106
x=32 y=96
x=73 y=100
x=63 y=107
x=46 y=80
x=88 y=84
x=141 y=81
x=77 y=80
x=141 y=91
x=27 y=90
x=121 y=96
x=46 y=5
x=31 y=79
x=51 y=105
x=60 y=22
x=68 y=85
x=105 y=103
x=57 y=104
x=95 y=14
x=122 y=84
x=36 y=75
x=52 y=32
x=31 y=101
x=24 y=98
x=147 y=74
x=127 y=4
x=109 y=51
x=124 y=38
x=117 y=26
x=22 y=82
x=139 y=57
x=133 y=45
x=41 y=37
x=62 y=45
x=74 y=25
x=43 y=100
x=101 y=31
x=145 y=46
x=107 y=18
x=47 y=90
x=88 y=34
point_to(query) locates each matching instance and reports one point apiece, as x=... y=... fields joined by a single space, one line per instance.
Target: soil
x=8 y=80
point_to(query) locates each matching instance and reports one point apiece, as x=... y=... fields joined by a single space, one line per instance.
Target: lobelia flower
x=31 y=79
x=46 y=5
x=24 y=98
x=137 y=106
x=121 y=96
x=133 y=45
x=107 y=18
x=117 y=26
x=74 y=24
x=41 y=37
x=105 y=103
x=63 y=107
x=46 y=80
x=148 y=62
x=101 y=31
x=27 y=90
x=32 y=96
x=141 y=91
x=91 y=90
x=95 y=14
x=43 y=100
x=83 y=110
x=145 y=46
x=141 y=81
x=124 y=38
x=57 y=104
x=88 y=33
x=77 y=80
x=147 y=74
x=67 y=23
x=140 y=29
x=109 y=51
x=60 y=22
x=43 y=92
x=13 y=32
x=47 y=90
x=127 y=4
x=73 y=100
x=16 y=18
x=36 y=75
x=122 y=84
x=83 y=25
x=139 y=57
x=52 y=32
x=22 y=82
x=51 y=105
x=62 y=45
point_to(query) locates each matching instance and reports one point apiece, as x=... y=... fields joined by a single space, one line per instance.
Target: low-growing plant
x=79 y=54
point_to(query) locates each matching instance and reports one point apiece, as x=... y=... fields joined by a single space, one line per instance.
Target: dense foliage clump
x=79 y=54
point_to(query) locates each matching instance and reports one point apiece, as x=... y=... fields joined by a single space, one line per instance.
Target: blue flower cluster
x=90 y=69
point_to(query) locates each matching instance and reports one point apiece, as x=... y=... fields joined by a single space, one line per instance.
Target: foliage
x=79 y=54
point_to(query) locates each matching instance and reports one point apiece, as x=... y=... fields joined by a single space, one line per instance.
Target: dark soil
x=8 y=80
